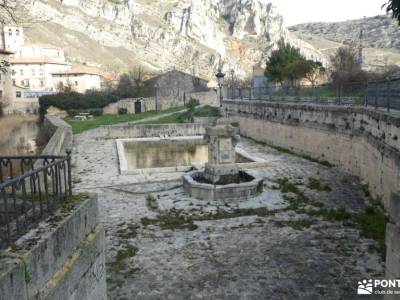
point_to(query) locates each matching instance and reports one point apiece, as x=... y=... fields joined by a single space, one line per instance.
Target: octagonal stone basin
x=248 y=186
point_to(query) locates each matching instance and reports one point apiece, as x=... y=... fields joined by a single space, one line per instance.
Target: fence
x=28 y=194
x=379 y=94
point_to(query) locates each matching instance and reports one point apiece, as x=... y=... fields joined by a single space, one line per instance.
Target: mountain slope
x=191 y=35
x=381 y=38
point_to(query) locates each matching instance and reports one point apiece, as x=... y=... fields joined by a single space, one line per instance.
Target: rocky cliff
x=191 y=35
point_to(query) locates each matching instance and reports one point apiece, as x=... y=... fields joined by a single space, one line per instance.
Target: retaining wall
x=62 y=258
x=363 y=142
x=141 y=131
x=59 y=135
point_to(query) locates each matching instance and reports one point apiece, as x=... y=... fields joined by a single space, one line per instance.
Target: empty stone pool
x=172 y=154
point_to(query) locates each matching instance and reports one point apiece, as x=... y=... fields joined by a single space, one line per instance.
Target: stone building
x=177 y=84
x=80 y=79
x=35 y=73
x=12 y=38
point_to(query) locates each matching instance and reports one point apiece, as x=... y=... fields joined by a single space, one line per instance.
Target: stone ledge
x=49 y=247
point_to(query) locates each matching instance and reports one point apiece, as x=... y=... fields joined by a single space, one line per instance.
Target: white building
x=79 y=79
x=12 y=38
x=41 y=51
x=36 y=73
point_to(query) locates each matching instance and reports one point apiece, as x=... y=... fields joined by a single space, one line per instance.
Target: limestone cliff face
x=191 y=35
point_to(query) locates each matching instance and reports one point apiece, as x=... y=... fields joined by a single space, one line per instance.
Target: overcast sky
x=304 y=11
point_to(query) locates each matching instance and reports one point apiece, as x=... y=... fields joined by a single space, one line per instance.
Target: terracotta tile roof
x=81 y=70
x=35 y=60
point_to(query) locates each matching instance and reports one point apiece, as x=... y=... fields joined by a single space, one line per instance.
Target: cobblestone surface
x=163 y=245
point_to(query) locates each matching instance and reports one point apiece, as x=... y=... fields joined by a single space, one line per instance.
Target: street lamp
x=155 y=90
x=220 y=79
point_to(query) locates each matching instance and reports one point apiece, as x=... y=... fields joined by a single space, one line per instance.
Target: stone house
x=80 y=79
x=176 y=84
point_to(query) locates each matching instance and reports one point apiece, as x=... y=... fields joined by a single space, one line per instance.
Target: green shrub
x=207 y=111
x=77 y=101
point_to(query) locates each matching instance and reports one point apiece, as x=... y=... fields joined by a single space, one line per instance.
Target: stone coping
x=254 y=162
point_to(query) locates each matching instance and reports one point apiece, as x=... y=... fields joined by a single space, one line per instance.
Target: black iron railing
x=31 y=188
x=378 y=94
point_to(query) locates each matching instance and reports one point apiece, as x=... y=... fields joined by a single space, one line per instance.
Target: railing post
x=270 y=91
x=69 y=172
x=387 y=94
x=250 y=92
x=366 y=93
x=376 y=95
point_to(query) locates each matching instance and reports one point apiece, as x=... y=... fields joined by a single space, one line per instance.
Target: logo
x=365 y=287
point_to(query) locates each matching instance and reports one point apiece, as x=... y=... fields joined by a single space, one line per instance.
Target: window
x=21 y=72
x=18 y=94
x=41 y=72
x=33 y=72
x=10 y=32
x=17 y=32
x=76 y=83
x=41 y=83
x=13 y=72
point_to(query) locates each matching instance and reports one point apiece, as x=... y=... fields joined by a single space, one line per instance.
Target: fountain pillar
x=221 y=167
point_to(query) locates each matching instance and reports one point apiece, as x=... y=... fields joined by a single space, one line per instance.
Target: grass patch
x=171 y=119
x=129 y=232
x=175 y=220
x=372 y=225
x=151 y=202
x=206 y=111
x=118 y=264
x=130 y=251
x=73 y=200
x=81 y=126
x=315 y=184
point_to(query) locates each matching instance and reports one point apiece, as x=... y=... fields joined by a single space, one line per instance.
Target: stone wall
x=62 y=258
x=393 y=242
x=59 y=136
x=163 y=102
x=363 y=142
x=141 y=131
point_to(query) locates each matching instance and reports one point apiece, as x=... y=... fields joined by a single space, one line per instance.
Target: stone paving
x=164 y=245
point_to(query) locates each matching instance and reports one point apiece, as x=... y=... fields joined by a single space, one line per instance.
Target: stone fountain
x=221 y=179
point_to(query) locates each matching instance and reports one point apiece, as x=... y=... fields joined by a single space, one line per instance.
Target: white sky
x=304 y=11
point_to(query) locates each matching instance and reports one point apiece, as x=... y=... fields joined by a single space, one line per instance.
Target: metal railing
x=28 y=194
x=379 y=94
